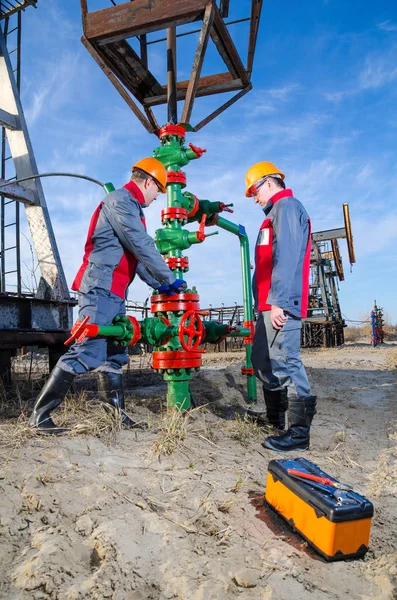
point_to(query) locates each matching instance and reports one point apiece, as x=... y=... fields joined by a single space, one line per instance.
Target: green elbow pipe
x=239 y=230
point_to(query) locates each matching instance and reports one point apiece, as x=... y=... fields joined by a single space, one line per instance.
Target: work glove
x=179 y=285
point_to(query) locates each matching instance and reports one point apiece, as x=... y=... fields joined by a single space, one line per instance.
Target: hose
x=54 y=175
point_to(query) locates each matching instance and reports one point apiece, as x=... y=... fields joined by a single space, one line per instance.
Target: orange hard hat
x=258 y=171
x=155 y=169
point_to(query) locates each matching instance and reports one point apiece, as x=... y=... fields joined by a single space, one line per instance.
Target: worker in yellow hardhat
x=281 y=292
x=257 y=173
x=117 y=248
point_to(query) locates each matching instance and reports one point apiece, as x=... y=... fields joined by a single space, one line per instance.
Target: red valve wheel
x=193 y=330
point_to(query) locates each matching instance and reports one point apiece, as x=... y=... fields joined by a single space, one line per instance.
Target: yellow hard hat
x=256 y=172
x=155 y=169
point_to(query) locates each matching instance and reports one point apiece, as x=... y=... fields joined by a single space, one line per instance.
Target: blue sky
x=322 y=109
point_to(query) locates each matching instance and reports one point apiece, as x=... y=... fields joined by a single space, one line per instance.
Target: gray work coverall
x=117 y=248
x=276 y=353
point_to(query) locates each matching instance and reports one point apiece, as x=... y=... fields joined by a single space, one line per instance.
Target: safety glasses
x=255 y=189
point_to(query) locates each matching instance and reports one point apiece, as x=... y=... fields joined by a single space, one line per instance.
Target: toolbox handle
x=323 y=480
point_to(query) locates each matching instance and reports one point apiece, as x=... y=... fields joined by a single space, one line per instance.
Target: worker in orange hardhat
x=117 y=248
x=281 y=292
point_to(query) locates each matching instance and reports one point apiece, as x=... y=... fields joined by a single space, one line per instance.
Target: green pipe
x=242 y=332
x=239 y=230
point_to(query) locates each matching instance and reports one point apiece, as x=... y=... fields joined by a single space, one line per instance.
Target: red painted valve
x=198 y=151
x=200 y=233
x=225 y=207
x=77 y=330
x=193 y=330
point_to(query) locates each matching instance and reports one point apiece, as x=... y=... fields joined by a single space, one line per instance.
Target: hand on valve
x=179 y=285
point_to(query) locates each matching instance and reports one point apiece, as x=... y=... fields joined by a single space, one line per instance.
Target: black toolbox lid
x=336 y=505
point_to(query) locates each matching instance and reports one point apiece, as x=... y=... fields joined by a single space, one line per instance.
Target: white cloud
x=376 y=73
x=96 y=143
x=55 y=88
x=283 y=93
x=372 y=237
x=387 y=26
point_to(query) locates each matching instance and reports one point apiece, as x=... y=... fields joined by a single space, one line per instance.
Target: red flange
x=249 y=325
x=177 y=263
x=172 y=130
x=193 y=330
x=181 y=297
x=175 y=303
x=174 y=213
x=211 y=220
x=175 y=307
x=247 y=371
x=176 y=177
x=137 y=330
x=176 y=359
x=195 y=207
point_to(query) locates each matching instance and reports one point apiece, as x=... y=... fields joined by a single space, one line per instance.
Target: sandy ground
x=177 y=511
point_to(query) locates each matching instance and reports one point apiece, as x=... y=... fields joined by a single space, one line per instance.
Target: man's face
x=150 y=191
x=263 y=190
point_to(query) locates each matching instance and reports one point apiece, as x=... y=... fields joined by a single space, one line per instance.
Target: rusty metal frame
x=208 y=20
x=105 y=36
x=10 y=7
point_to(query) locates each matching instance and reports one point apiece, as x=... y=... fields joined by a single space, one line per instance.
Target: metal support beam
x=224 y=9
x=10 y=7
x=329 y=234
x=224 y=106
x=349 y=235
x=129 y=69
x=233 y=85
x=13 y=191
x=171 y=76
x=139 y=17
x=256 y=8
x=198 y=62
x=221 y=37
x=123 y=93
x=9 y=121
x=53 y=281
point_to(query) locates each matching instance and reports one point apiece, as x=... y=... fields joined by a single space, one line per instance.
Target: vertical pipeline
x=239 y=230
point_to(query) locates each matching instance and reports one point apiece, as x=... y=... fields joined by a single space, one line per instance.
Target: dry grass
x=78 y=415
x=171 y=433
x=355 y=334
x=340 y=436
x=15 y=434
x=244 y=429
x=176 y=430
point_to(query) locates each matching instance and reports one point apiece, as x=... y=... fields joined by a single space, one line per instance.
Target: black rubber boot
x=111 y=393
x=51 y=396
x=276 y=403
x=297 y=437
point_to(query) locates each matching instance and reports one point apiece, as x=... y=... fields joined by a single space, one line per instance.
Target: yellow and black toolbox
x=333 y=518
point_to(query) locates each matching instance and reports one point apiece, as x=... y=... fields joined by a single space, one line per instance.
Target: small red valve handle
x=200 y=233
x=225 y=207
x=198 y=151
x=193 y=330
x=77 y=330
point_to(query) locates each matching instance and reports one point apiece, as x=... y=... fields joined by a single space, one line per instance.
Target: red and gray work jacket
x=118 y=247
x=282 y=256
